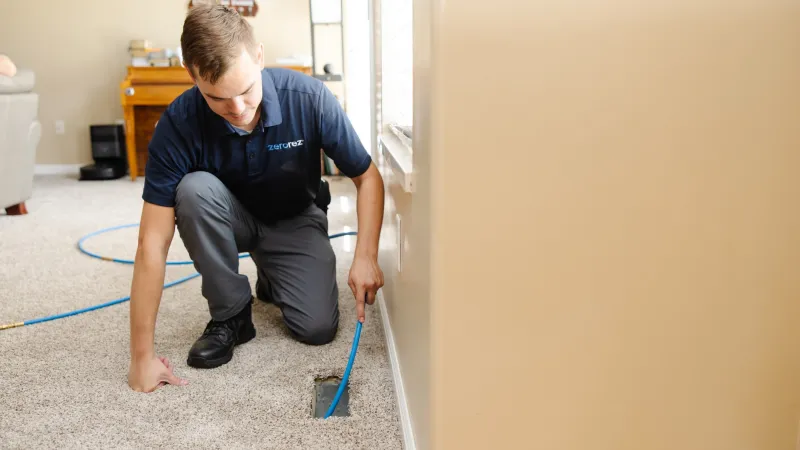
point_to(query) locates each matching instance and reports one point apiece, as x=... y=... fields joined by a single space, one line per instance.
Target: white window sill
x=399 y=157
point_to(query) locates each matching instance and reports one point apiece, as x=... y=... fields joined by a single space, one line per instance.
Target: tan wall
x=407 y=292
x=407 y=298
x=613 y=227
x=80 y=61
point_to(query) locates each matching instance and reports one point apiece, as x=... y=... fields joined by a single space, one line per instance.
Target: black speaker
x=109 y=153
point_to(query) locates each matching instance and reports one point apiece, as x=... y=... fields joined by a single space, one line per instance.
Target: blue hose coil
x=104 y=305
x=83 y=249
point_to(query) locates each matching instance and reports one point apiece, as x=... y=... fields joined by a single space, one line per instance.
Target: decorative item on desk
x=144 y=55
x=247 y=8
x=161 y=57
x=139 y=50
x=328 y=74
x=139 y=44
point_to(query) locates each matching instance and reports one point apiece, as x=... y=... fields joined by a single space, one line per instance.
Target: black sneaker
x=215 y=347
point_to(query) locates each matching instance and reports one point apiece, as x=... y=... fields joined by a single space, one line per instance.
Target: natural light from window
x=397 y=75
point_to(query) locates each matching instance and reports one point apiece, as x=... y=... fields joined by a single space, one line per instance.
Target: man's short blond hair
x=212 y=39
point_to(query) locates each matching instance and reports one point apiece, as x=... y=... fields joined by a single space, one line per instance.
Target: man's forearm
x=148 y=282
x=370 y=213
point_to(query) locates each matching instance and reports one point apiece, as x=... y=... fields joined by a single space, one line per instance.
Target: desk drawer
x=152 y=94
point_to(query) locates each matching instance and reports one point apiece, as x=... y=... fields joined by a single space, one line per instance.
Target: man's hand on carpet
x=365 y=279
x=150 y=374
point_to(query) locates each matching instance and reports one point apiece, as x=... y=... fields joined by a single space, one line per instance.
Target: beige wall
x=407 y=290
x=80 y=61
x=407 y=299
x=611 y=191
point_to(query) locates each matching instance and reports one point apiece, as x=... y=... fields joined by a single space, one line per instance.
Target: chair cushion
x=23 y=81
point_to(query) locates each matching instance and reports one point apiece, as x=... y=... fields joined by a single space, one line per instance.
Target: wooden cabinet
x=145 y=94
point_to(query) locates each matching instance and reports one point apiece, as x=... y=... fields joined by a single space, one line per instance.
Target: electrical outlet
x=59 y=127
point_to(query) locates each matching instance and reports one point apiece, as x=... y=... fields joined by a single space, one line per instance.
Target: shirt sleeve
x=167 y=164
x=339 y=139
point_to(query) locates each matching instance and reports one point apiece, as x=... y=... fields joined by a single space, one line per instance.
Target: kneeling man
x=235 y=163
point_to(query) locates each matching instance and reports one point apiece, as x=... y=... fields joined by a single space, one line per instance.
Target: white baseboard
x=405 y=417
x=57 y=169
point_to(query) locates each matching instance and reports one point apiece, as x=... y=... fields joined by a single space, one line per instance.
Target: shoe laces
x=219 y=328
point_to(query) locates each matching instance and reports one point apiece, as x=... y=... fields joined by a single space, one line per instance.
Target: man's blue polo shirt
x=273 y=171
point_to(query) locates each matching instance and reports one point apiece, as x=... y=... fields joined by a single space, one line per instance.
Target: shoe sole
x=202 y=363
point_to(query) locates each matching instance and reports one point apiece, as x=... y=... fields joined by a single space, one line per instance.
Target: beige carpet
x=63 y=383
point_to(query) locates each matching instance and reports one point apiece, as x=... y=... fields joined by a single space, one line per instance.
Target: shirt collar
x=269 y=101
x=270 y=107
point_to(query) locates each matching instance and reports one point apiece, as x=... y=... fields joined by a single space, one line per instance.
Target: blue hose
x=103 y=305
x=169 y=263
x=347 y=370
x=83 y=249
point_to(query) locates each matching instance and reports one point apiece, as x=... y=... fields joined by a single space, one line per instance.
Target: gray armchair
x=20 y=132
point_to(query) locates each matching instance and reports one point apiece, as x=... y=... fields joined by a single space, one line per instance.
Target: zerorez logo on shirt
x=285 y=145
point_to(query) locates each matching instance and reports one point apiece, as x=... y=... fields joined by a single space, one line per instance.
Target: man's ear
x=261 y=55
x=191 y=75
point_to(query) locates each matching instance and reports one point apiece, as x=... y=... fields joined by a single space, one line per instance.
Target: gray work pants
x=295 y=260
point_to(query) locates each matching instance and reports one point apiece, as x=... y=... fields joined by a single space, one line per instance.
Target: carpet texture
x=64 y=382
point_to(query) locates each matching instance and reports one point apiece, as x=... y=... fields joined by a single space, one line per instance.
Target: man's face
x=237 y=95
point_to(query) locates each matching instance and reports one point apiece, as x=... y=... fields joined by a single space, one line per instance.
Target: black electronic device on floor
x=109 y=153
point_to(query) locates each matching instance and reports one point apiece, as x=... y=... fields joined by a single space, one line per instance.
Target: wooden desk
x=145 y=94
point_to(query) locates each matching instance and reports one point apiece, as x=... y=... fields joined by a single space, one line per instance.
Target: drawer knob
x=129 y=91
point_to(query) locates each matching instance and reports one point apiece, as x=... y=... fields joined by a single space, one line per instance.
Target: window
x=397 y=69
x=394 y=81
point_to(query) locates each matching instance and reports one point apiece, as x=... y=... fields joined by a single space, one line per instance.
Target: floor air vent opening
x=325 y=389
